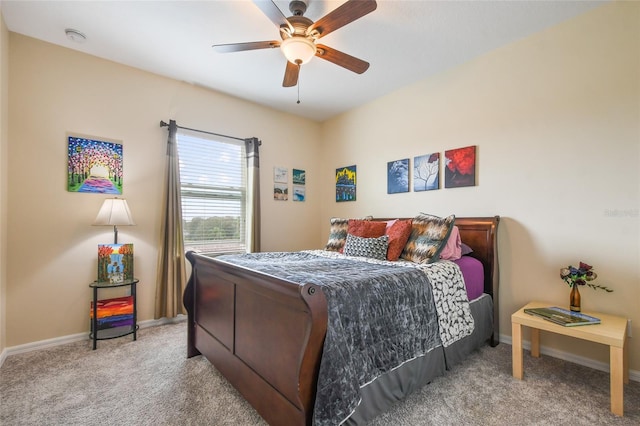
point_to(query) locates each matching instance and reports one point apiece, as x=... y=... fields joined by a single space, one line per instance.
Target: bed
x=266 y=334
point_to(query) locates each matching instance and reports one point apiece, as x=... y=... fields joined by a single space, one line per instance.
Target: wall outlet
x=629 y=327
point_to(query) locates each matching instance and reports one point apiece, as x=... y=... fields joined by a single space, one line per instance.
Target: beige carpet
x=151 y=382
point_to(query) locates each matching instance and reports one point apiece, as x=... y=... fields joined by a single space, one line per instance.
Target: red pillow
x=366 y=228
x=398 y=234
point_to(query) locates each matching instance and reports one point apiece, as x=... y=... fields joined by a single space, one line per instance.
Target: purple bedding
x=473 y=274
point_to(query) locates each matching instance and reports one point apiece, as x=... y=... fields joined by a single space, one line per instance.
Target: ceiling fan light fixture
x=298 y=50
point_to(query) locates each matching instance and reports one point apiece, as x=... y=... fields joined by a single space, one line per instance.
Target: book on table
x=562 y=316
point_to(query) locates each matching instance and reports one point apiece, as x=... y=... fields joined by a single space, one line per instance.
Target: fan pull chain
x=298 y=83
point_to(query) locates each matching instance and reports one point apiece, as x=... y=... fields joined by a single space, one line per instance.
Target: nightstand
x=612 y=331
x=113 y=318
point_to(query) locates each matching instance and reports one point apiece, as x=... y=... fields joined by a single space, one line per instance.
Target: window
x=213 y=182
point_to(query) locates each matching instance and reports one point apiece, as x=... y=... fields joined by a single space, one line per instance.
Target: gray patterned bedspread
x=380 y=316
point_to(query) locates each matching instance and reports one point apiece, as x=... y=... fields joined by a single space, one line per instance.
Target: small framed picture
x=426 y=172
x=346 y=184
x=460 y=167
x=115 y=262
x=398 y=176
x=299 y=193
x=280 y=174
x=280 y=191
x=94 y=165
x=299 y=177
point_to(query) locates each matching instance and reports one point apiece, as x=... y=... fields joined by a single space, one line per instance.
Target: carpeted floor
x=151 y=382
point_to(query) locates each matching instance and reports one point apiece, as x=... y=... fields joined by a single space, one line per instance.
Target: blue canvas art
x=299 y=193
x=398 y=176
x=299 y=177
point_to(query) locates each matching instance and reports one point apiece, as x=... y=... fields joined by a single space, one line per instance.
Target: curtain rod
x=163 y=124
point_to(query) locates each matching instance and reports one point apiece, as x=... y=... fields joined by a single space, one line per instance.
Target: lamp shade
x=114 y=211
x=298 y=50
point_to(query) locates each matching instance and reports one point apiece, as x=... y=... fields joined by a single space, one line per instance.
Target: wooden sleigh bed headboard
x=481 y=234
x=266 y=334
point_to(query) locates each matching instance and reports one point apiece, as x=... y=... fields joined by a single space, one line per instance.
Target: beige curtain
x=172 y=279
x=253 y=194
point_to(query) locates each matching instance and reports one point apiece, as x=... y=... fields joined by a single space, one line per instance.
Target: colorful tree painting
x=94 y=166
x=115 y=262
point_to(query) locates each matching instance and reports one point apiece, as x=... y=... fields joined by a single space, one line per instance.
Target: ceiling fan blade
x=238 y=47
x=339 y=58
x=341 y=16
x=291 y=75
x=269 y=8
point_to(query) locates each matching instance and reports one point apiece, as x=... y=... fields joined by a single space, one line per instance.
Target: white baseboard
x=57 y=341
x=576 y=359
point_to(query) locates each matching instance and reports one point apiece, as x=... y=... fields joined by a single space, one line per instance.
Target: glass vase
x=574 y=298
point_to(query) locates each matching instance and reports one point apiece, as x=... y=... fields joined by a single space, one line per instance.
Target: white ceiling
x=404 y=41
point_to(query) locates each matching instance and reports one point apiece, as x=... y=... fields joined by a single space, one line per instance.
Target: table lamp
x=114 y=211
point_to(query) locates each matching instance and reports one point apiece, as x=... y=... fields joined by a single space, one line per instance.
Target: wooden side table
x=612 y=331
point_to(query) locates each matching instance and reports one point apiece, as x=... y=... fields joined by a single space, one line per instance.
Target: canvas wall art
x=398 y=176
x=115 y=262
x=346 y=184
x=299 y=177
x=460 y=167
x=426 y=172
x=112 y=313
x=299 y=193
x=281 y=174
x=94 y=166
x=280 y=191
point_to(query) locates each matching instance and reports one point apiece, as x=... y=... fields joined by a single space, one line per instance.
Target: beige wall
x=555 y=118
x=53 y=253
x=4 y=140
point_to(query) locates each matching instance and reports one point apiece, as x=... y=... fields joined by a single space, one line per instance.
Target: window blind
x=213 y=184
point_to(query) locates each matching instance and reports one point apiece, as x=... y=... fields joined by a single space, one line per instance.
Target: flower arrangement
x=582 y=275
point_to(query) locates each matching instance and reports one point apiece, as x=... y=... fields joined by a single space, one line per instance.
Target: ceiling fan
x=300 y=35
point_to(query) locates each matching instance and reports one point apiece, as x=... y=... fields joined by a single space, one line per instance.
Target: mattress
x=473 y=274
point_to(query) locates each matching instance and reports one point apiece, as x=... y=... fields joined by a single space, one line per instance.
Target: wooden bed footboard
x=262 y=333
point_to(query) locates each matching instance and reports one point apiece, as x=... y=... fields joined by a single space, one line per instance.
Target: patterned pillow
x=337 y=234
x=428 y=236
x=375 y=248
x=398 y=233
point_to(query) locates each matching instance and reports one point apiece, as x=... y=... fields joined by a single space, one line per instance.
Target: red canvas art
x=460 y=167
